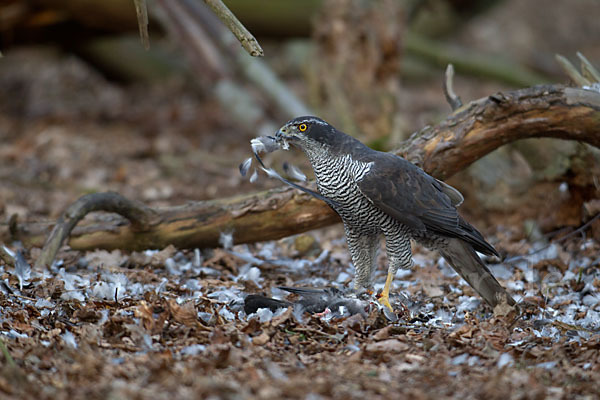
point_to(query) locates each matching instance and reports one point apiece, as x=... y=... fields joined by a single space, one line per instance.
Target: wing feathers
x=418 y=200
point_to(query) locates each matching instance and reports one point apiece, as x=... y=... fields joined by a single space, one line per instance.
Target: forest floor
x=169 y=323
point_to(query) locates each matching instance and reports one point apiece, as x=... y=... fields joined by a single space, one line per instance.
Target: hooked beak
x=282 y=136
x=282 y=133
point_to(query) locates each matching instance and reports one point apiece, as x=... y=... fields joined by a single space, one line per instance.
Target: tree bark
x=468 y=134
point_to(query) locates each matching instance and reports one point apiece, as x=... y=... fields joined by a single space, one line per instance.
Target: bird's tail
x=465 y=261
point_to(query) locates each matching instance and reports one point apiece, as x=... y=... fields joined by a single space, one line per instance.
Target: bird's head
x=307 y=132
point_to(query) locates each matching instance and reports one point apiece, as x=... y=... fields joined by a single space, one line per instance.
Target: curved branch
x=483 y=125
x=468 y=134
x=140 y=216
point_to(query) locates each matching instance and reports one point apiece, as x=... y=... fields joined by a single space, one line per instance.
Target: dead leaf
x=387 y=346
x=185 y=314
x=105 y=259
x=87 y=314
x=432 y=290
x=261 y=339
x=504 y=310
x=383 y=333
x=144 y=313
x=159 y=258
x=276 y=321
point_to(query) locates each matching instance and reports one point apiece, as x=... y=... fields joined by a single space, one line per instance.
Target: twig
x=571 y=71
x=588 y=70
x=248 y=41
x=142 y=17
x=448 y=86
x=141 y=217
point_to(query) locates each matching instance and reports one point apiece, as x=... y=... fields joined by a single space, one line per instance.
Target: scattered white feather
x=197 y=258
x=206 y=317
x=547 y=365
x=594 y=87
x=103 y=291
x=22 y=269
x=103 y=317
x=225 y=313
x=264 y=315
x=69 y=339
x=248 y=257
x=504 y=360
x=12 y=334
x=294 y=172
x=173 y=268
x=253 y=177
x=460 y=359
x=225 y=295
x=226 y=240
x=245 y=166
x=193 y=350
x=249 y=274
x=43 y=303
x=73 y=284
x=272 y=173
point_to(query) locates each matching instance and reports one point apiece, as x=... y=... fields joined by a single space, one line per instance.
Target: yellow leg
x=384 y=299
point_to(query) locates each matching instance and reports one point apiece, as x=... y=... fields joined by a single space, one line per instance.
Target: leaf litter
x=177 y=322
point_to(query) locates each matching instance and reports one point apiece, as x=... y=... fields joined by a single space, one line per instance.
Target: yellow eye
x=302 y=127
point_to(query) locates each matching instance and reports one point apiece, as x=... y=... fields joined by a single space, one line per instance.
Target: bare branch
x=142 y=16
x=248 y=41
x=571 y=71
x=588 y=70
x=448 y=86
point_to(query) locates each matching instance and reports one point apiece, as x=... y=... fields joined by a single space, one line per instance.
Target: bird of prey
x=380 y=194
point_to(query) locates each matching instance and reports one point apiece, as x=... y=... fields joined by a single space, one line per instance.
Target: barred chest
x=337 y=180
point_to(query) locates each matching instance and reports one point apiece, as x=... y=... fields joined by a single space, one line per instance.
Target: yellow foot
x=385 y=301
x=384 y=297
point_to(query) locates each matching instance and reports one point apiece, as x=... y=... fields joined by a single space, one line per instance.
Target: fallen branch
x=468 y=134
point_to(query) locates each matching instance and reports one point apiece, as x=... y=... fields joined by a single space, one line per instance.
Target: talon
x=384 y=297
x=385 y=301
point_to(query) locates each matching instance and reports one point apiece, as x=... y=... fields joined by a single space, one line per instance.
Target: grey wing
x=418 y=200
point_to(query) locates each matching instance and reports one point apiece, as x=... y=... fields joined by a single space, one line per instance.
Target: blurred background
x=85 y=108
